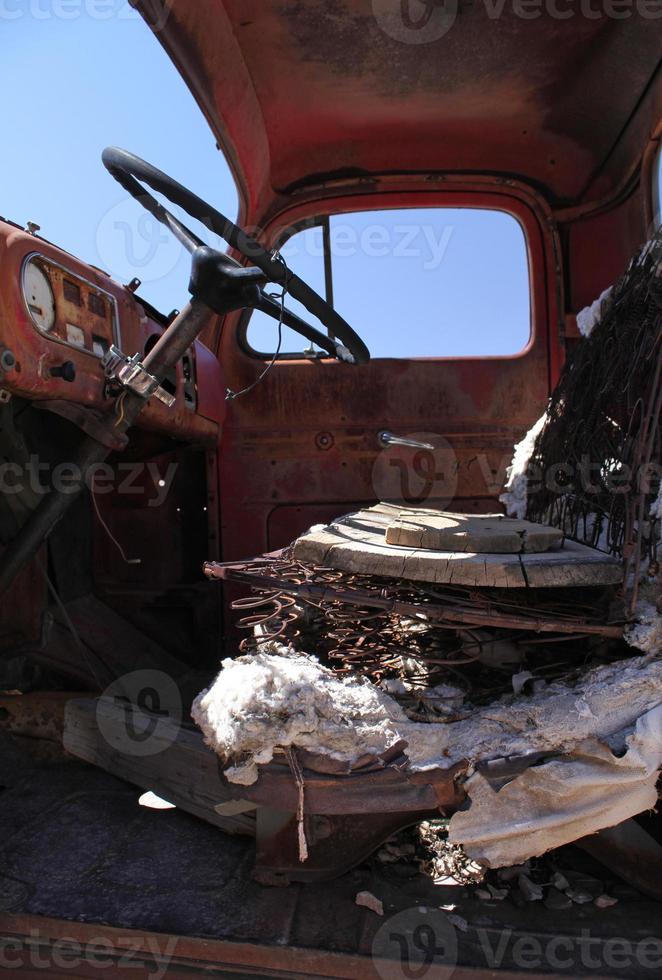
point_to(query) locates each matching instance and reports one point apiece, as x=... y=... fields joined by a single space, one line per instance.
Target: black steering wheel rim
x=129 y=170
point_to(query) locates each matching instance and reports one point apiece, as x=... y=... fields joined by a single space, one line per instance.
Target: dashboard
x=59 y=317
x=65 y=308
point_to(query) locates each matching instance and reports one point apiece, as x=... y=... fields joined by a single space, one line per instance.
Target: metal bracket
x=130 y=373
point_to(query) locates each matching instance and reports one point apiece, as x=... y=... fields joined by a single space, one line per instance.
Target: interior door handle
x=386 y=438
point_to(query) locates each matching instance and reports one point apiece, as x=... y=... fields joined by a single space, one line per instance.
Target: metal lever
x=386 y=439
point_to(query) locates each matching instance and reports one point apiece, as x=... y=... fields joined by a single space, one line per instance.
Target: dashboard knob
x=7 y=360
x=66 y=371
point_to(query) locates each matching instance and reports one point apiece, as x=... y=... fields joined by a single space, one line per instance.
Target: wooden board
x=491 y=534
x=180 y=768
x=356 y=543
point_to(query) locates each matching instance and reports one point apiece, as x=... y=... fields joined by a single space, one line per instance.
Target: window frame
x=524 y=212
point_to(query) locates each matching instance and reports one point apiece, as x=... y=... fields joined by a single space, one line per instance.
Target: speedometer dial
x=39 y=297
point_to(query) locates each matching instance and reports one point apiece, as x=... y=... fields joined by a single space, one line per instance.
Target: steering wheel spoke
x=217 y=279
x=272 y=308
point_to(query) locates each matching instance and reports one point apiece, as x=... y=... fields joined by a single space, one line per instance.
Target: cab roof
x=297 y=91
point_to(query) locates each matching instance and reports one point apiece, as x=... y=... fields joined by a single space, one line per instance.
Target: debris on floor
x=556 y=880
x=427 y=847
x=370 y=901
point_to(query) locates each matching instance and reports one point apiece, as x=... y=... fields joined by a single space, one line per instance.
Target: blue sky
x=70 y=88
x=78 y=75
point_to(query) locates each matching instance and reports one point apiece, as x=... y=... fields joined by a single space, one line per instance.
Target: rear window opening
x=429 y=282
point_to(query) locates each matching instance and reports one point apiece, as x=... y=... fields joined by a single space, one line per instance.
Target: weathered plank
x=479 y=533
x=156 y=754
x=357 y=543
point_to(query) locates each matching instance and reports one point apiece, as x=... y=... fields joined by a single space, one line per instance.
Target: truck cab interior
x=299 y=381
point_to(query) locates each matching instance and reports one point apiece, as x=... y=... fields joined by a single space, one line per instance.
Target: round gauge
x=39 y=297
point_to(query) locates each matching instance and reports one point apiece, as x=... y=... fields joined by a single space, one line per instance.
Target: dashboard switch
x=66 y=371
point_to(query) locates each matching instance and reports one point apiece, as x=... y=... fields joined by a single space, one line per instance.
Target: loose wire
x=127 y=561
x=230 y=395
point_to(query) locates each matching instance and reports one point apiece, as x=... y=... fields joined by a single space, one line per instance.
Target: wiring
x=230 y=395
x=127 y=561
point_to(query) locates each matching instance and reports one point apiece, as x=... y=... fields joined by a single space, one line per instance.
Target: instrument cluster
x=59 y=318
x=68 y=309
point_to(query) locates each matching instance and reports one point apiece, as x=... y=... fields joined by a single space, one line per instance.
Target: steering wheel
x=221 y=282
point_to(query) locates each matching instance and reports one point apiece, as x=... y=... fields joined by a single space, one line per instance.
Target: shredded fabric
x=514 y=496
x=604 y=734
x=656 y=506
x=274 y=700
x=590 y=316
x=562 y=800
x=645 y=632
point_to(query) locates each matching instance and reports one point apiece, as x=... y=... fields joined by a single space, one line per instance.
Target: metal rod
x=462 y=615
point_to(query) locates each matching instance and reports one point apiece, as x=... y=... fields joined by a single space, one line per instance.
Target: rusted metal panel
x=22 y=609
x=631 y=853
x=335 y=844
x=380 y=791
x=39 y=714
x=29 y=937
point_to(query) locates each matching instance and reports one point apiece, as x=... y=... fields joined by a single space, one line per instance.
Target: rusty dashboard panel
x=59 y=317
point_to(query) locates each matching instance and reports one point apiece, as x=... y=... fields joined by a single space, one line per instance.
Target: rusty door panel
x=303 y=446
